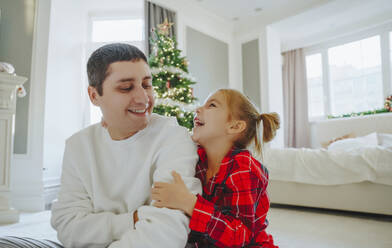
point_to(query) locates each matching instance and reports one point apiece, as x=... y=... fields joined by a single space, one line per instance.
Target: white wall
x=191 y=15
x=275 y=84
x=26 y=170
x=251 y=71
x=64 y=83
x=212 y=73
x=271 y=90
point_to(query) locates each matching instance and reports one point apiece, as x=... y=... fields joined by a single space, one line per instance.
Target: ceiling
x=239 y=9
x=300 y=22
x=332 y=19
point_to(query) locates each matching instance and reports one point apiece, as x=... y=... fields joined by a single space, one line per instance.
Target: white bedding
x=324 y=167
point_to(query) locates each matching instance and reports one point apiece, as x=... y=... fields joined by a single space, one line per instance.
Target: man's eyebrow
x=122 y=80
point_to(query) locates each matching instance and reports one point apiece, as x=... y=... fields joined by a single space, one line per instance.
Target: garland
x=387 y=108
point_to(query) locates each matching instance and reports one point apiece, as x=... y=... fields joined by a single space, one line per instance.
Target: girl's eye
x=147 y=86
x=212 y=105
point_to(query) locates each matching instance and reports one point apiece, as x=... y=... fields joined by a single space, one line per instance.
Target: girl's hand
x=174 y=195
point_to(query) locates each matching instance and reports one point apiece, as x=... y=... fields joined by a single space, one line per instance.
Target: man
x=108 y=172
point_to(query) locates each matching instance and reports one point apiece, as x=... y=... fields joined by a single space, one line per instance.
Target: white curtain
x=295 y=97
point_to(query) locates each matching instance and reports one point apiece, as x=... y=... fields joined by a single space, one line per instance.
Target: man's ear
x=93 y=94
x=236 y=127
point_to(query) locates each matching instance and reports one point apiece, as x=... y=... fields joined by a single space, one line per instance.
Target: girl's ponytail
x=271 y=123
x=266 y=126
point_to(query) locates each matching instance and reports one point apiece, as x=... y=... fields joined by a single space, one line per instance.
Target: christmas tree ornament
x=20 y=91
x=164 y=27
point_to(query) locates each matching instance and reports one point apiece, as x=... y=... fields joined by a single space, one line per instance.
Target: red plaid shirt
x=232 y=211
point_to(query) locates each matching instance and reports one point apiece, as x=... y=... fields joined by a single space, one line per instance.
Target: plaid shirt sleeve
x=236 y=228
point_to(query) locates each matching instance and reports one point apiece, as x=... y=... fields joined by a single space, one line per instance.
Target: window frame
x=91 y=46
x=382 y=31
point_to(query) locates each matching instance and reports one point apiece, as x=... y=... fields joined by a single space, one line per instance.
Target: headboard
x=324 y=131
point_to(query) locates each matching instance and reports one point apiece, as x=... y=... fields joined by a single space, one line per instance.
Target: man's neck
x=116 y=134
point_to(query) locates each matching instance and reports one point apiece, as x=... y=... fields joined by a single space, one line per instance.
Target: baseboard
x=35 y=198
x=27 y=198
x=51 y=190
x=28 y=203
x=50 y=194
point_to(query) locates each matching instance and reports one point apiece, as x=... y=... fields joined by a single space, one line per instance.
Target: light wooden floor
x=290 y=227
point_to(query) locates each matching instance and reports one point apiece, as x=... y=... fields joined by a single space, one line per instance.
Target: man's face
x=128 y=98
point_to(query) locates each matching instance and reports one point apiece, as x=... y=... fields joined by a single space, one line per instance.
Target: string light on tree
x=171 y=79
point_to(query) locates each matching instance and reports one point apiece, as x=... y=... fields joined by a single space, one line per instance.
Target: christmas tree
x=171 y=79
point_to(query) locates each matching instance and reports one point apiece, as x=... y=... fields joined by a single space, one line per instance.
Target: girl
x=233 y=208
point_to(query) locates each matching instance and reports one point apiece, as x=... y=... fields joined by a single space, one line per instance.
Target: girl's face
x=211 y=120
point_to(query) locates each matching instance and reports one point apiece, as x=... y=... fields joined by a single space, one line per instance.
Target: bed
x=354 y=174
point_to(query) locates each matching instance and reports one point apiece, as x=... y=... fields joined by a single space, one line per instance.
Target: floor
x=291 y=227
x=34 y=225
x=297 y=227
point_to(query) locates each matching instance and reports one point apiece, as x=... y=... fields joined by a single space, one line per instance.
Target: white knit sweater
x=104 y=181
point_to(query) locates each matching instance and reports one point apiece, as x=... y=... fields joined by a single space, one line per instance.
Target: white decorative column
x=8 y=86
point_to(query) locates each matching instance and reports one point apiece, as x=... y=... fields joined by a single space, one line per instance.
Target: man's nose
x=140 y=95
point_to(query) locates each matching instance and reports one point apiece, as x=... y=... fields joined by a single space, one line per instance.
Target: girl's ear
x=93 y=94
x=236 y=127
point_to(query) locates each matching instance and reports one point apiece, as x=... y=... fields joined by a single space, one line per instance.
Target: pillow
x=385 y=139
x=347 y=136
x=370 y=140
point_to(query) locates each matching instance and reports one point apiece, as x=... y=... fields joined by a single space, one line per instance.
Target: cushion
x=370 y=140
x=347 y=136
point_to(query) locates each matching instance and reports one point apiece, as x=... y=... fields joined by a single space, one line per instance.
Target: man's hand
x=174 y=195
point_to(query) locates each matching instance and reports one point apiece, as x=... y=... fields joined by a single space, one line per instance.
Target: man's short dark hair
x=100 y=60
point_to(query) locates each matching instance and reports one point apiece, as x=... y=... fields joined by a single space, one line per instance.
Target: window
x=347 y=78
x=355 y=76
x=117 y=30
x=314 y=76
x=109 y=30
